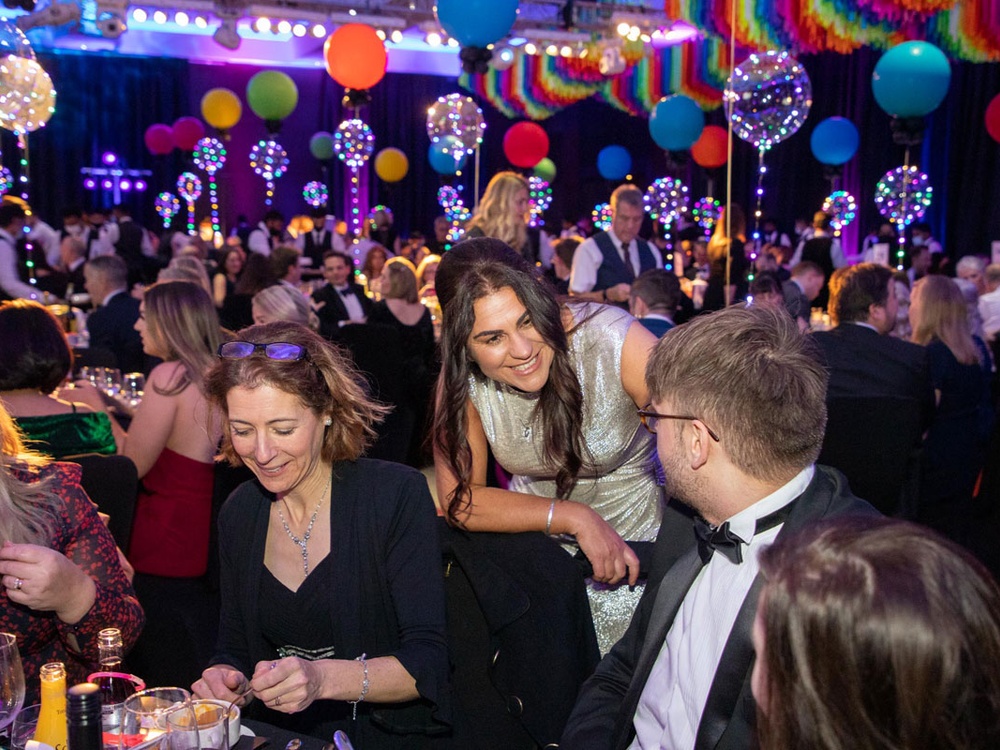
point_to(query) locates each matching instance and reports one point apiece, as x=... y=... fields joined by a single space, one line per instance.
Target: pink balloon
x=159 y=139
x=187 y=132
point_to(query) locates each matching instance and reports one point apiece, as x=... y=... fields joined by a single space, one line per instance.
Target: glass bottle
x=51 y=729
x=83 y=714
x=113 y=682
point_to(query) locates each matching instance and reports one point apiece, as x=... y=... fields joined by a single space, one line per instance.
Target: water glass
x=145 y=711
x=24 y=726
x=112 y=384
x=11 y=679
x=199 y=725
x=133 y=387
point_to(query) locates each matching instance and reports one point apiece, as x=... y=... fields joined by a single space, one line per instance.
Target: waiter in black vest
x=314 y=243
x=132 y=244
x=605 y=265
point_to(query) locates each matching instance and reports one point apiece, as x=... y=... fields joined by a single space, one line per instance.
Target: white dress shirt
x=259 y=240
x=48 y=241
x=677 y=689
x=989 y=311
x=588 y=259
x=352 y=303
x=10 y=281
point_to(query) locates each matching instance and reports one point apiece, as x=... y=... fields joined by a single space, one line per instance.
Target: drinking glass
x=11 y=680
x=112 y=383
x=199 y=725
x=24 y=726
x=144 y=714
x=133 y=387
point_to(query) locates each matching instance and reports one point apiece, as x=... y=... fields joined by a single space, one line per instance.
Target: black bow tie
x=722 y=539
x=346 y=292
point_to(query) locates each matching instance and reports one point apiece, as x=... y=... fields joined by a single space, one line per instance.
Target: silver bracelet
x=548 y=522
x=365 y=685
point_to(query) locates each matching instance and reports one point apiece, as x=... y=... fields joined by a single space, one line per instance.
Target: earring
x=328 y=421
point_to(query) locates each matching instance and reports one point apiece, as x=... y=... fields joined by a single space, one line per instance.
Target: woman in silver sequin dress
x=553 y=390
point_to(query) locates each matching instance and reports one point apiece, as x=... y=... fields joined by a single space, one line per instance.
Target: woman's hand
x=223 y=682
x=45 y=580
x=288 y=685
x=607 y=552
x=83 y=392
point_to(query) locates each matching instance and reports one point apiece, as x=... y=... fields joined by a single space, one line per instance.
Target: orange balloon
x=355 y=56
x=712 y=148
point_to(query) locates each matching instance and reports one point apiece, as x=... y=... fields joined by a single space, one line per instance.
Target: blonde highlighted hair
x=27 y=509
x=494 y=217
x=938 y=311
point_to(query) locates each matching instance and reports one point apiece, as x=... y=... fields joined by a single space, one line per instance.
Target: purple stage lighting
x=90 y=183
x=109 y=158
x=140 y=185
x=107 y=184
x=125 y=185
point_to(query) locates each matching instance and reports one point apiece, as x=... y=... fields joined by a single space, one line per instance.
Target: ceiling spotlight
x=565 y=51
x=262 y=25
x=380 y=34
x=452 y=42
x=319 y=31
x=623 y=29
x=503 y=57
x=139 y=15
x=159 y=17
x=181 y=18
x=226 y=35
x=284 y=27
x=201 y=22
x=396 y=36
x=433 y=39
x=299 y=30
x=552 y=50
x=530 y=49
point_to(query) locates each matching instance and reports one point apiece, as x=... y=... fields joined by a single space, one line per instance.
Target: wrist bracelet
x=365 y=685
x=548 y=522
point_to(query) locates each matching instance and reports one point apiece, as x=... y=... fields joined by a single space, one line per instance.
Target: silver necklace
x=303 y=543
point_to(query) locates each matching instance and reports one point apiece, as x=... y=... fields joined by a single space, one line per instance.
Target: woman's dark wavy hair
x=468 y=272
x=36 y=353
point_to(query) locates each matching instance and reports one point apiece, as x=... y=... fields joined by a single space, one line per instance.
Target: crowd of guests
x=651 y=526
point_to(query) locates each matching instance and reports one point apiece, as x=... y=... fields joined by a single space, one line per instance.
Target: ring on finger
x=18 y=583
x=277 y=701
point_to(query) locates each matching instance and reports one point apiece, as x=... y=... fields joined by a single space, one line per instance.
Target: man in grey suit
x=738 y=411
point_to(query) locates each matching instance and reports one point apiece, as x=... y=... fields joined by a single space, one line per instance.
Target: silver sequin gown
x=619 y=480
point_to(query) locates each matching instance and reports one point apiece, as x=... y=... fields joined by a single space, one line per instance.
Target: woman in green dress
x=36 y=361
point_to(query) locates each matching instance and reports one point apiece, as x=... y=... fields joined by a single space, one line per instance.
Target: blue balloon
x=442 y=155
x=834 y=141
x=614 y=162
x=911 y=79
x=676 y=122
x=476 y=23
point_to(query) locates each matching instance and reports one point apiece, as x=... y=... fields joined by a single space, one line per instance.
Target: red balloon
x=355 y=56
x=187 y=132
x=525 y=144
x=712 y=148
x=993 y=119
x=159 y=139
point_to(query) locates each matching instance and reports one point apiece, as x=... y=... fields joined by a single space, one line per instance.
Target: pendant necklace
x=303 y=543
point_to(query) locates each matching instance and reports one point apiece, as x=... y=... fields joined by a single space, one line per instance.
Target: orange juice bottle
x=51 y=728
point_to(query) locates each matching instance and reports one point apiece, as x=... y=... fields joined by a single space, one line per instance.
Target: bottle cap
x=83 y=702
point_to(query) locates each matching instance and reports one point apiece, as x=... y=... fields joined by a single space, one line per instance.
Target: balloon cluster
x=458 y=116
x=768 y=97
x=315 y=194
x=666 y=199
x=601 y=216
x=841 y=207
x=903 y=195
x=6 y=180
x=189 y=188
x=210 y=156
x=184 y=134
x=455 y=210
x=167 y=207
x=705 y=212
x=353 y=143
x=269 y=160
x=540 y=198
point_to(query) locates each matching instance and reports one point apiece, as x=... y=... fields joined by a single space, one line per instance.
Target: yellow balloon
x=391 y=165
x=221 y=108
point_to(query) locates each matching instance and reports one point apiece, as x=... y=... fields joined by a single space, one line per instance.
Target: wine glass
x=199 y=725
x=112 y=383
x=144 y=714
x=133 y=386
x=11 y=680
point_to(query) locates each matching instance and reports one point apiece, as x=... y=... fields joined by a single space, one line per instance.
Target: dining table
x=277 y=738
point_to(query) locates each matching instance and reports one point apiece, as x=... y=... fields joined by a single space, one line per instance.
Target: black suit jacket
x=602 y=717
x=865 y=364
x=112 y=327
x=332 y=309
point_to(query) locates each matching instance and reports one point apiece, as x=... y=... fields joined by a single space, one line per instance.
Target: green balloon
x=272 y=95
x=546 y=169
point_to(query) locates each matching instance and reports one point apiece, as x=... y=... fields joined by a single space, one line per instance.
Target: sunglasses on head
x=280 y=351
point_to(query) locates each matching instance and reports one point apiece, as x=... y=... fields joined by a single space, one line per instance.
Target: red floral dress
x=79 y=534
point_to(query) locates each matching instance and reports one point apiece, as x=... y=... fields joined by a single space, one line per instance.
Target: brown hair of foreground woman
x=874 y=634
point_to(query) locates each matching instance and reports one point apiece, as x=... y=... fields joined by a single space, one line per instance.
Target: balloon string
x=755 y=245
x=903 y=223
x=476 y=177
x=190 y=217
x=22 y=142
x=727 y=292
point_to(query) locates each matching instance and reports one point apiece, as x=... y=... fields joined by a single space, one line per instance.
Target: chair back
x=875 y=442
x=112 y=482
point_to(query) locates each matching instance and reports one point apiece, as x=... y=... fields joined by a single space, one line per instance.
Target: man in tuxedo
x=801 y=289
x=863 y=360
x=654 y=299
x=605 y=265
x=112 y=323
x=738 y=411
x=340 y=301
x=314 y=243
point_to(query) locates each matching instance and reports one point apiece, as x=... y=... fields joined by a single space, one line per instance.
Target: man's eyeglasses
x=279 y=351
x=648 y=419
